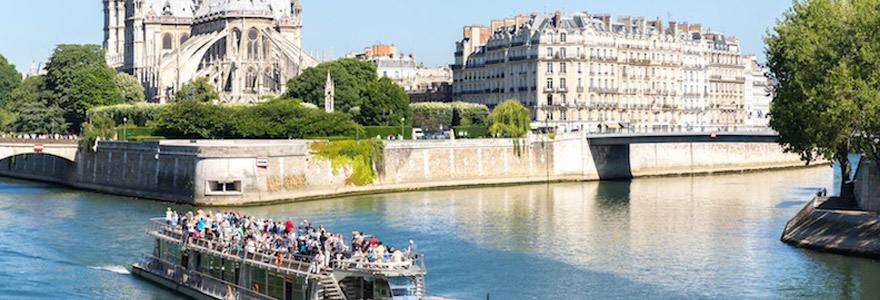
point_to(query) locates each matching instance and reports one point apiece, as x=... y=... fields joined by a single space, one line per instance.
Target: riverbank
x=828 y=224
x=237 y=172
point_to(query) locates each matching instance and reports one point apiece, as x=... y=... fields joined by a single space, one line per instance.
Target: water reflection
x=661 y=238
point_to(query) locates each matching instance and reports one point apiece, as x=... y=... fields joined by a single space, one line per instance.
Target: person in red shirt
x=289 y=226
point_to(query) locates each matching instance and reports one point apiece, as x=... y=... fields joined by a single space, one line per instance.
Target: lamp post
x=402 y=135
x=124 y=128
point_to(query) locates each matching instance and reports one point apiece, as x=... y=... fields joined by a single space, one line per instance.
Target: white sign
x=262 y=162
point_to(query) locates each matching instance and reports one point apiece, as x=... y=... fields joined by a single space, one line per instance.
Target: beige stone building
x=247 y=48
x=423 y=84
x=582 y=71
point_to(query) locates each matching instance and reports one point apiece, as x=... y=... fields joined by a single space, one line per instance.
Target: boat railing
x=201 y=282
x=287 y=263
x=414 y=265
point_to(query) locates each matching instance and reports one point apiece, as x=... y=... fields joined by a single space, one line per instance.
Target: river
x=703 y=237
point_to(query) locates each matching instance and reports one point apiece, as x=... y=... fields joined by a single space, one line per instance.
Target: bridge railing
x=686 y=129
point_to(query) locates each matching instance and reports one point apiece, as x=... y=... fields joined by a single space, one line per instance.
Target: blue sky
x=428 y=29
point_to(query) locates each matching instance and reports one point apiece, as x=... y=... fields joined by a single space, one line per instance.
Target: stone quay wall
x=234 y=172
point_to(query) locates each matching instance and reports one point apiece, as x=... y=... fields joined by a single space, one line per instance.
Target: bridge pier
x=612 y=161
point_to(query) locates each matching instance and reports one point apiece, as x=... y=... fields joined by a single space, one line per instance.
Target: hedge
x=469 y=114
x=471 y=131
x=147 y=138
x=139 y=114
x=129 y=132
x=431 y=115
x=385 y=131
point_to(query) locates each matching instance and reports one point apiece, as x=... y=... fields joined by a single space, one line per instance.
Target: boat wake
x=114 y=269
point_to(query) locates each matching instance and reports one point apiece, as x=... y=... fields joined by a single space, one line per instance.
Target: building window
x=550 y=52
x=550 y=38
x=549 y=99
x=562 y=68
x=549 y=83
x=167 y=42
x=550 y=67
x=562 y=52
x=562 y=83
x=562 y=38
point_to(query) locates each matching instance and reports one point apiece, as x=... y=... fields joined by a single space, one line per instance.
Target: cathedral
x=248 y=49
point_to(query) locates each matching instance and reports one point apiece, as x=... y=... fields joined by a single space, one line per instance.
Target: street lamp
x=402 y=135
x=124 y=128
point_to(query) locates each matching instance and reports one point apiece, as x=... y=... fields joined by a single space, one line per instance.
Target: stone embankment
x=253 y=172
x=828 y=224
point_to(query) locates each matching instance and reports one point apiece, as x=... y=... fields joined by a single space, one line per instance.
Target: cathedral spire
x=329 y=94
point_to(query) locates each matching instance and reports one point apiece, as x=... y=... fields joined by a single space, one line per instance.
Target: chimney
x=673 y=28
x=556 y=19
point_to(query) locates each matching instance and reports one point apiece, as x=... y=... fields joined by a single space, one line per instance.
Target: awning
x=613 y=125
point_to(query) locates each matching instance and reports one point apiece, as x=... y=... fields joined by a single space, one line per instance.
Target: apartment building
x=587 y=72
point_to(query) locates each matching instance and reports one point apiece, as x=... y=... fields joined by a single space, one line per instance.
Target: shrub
x=279 y=118
x=471 y=131
x=130 y=132
x=469 y=114
x=139 y=114
x=385 y=131
x=431 y=115
x=146 y=138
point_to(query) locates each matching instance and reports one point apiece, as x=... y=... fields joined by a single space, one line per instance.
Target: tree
x=191 y=118
x=36 y=118
x=100 y=127
x=385 y=104
x=31 y=90
x=510 y=117
x=131 y=88
x=10 y=79
x=80 y=79
x=350 y=76
x=198 y=89
x=823 y=56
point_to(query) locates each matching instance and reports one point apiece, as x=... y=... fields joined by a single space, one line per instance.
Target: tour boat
x=202 y=270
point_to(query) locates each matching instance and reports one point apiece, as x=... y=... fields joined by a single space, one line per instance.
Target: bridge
x=613 y=139
x=17 y=147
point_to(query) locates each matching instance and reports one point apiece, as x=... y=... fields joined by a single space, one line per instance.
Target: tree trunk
x=845 y=169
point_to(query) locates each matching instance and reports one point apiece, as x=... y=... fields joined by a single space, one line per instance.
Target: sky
x=428 y=29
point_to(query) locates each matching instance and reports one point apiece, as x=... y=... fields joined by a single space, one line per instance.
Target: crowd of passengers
x=283 y=240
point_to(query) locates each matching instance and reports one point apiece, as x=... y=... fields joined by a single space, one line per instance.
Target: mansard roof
x=278 y=8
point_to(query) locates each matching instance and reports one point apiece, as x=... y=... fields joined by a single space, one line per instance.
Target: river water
x=704 y=237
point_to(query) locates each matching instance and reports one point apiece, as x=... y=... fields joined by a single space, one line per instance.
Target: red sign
x=262 y=162
x=713 y=135
x=38 y=147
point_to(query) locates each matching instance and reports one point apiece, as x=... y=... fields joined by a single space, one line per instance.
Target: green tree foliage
x=100 y=127
x=9 y=80
x=431 y=115
x=287 y=118
x=280 y=118
x=824 y=54
x=199 y=89
x=80 y=79
x=510 y=117
x=350 y=76
x=386 y=103
x=190 y=118
x=31 y=90
x=470 y=114
x=138 y=114
x=131 y=88
x=37 y=118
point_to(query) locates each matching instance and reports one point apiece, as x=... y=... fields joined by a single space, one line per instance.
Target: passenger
x=169 y=217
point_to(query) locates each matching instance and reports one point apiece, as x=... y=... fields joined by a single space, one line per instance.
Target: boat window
x=258 y=280
x=402 y=286
x=275 y=285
